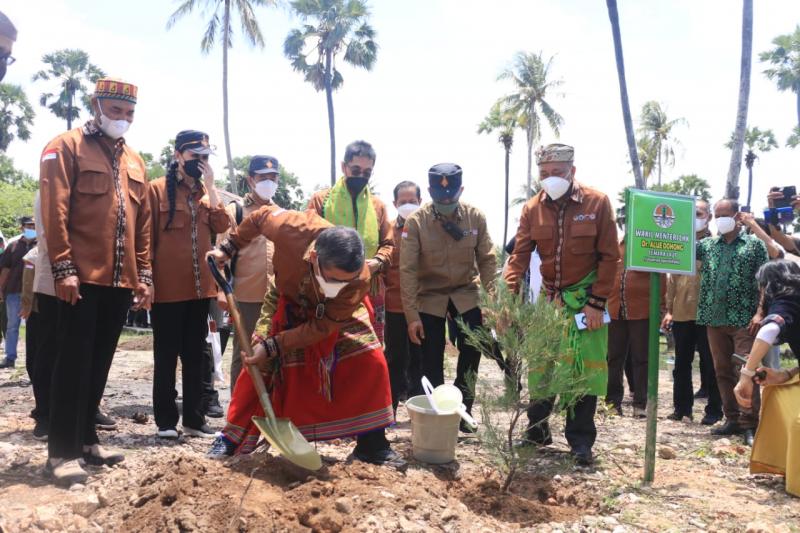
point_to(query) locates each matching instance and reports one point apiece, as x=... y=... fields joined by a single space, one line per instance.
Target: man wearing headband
x=325 y=366
x=96 y=215
x=572 y=227
x=446 y=253
x=8 y=35
x=186 y=213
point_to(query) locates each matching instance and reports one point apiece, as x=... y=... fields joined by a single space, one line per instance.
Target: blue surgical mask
x=29 y=234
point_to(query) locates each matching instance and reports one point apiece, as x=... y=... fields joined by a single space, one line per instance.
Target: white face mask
x=725 y=225
x=555 y=186
x=113 y=128
x=406 y=210
x=266 y=189
x=700 y=224
x=330 y=289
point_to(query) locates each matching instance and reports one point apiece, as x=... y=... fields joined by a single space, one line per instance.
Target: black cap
x=196 y=141
x=263 y=164
x=25 y=220
x=445 y=180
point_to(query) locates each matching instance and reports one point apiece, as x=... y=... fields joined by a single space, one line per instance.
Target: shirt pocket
x=583 y=238
x=94 y=179
x=432 y=252
x=464 y=250
x=136 y=184
x=179 y=218
x=544 y=237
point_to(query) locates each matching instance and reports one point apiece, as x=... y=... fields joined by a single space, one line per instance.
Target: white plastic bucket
x=433 y=436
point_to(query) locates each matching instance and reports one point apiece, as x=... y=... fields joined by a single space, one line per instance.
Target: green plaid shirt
x=728 y=289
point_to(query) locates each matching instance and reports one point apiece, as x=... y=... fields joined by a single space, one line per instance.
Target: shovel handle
x=244 y=340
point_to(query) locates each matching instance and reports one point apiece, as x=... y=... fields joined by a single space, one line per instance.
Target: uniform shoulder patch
x=47 y=155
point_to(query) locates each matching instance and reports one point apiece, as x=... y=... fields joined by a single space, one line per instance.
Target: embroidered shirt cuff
x=64 y=269
x=146 y=277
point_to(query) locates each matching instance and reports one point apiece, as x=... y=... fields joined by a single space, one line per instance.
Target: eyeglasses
x=357 y=172
x=8 y=59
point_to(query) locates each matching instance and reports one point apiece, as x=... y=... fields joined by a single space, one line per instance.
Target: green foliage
x=331 y=27
x=656 y=141
x=688 y=184
x=500 y=120
x=540 y=356
x=215 y=27
x=16 y=115
x=794 y=139
x=756 y=140
x=289 y=194
x=17 y=191
x=785 y=61
x=158 y=167
x=74 y=76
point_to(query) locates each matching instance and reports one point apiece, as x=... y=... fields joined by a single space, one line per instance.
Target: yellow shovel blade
x=287 y=439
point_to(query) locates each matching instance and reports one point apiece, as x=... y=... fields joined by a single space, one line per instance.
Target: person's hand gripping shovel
x=279 y=432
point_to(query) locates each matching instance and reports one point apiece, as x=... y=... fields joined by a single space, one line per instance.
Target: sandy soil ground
x=702 y=483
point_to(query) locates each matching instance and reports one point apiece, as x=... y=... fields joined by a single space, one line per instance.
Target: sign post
x=659 y=238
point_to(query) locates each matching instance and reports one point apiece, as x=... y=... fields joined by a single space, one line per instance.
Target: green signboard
x=659 y=232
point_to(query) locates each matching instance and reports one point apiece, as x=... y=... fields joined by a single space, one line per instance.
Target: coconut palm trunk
x=329 y=100
x=732 y=186
x=71 y=94
x=529 y=138
x=613 y=16
x=226 y=38
x=505 y=221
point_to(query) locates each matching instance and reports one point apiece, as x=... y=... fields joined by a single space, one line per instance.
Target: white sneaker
x=204 y=432
x=167 y=433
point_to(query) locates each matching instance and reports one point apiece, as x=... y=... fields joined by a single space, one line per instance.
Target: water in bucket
x=433 y=436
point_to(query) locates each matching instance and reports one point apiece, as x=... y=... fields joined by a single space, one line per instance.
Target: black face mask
x=192 y=168
x=356 y=185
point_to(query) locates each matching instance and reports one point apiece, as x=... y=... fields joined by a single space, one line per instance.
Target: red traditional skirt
x=338 y=387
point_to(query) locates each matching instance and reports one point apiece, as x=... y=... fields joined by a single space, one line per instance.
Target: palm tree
x=732 y=186
x=504 y=122
x=755 y=140
x=785 y=58
x=648 y=158
x=16 y=115
x=656 y=129
x=531 y=78
x=336 y=26
x=794 y=139
x=219 y=27
x=689 y=185
x=613 y=16
x=73 y=72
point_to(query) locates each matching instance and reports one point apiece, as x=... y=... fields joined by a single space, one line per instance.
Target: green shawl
x=587 y=349
x=338 y=210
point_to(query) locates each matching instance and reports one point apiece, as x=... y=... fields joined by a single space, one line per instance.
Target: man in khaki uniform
x=252 y=265
x=96 y=215
x=8 y=34
x=445 y=256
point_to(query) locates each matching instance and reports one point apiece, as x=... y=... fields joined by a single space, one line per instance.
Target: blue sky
x=434 y=80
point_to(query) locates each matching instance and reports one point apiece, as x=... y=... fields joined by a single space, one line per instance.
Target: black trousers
x=31 y=333
x=580 y=430
x=44 y=335
x=627 y=337
x=468 y=357
x=372 y=442
x=688 y=337
x=403 y=357
x=87 y=338
x=179 y=330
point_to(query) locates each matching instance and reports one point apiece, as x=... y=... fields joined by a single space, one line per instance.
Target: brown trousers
x=724 y=342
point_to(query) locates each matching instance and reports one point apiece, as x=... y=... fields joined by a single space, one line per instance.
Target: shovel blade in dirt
x=281 y=433
x=287 y=439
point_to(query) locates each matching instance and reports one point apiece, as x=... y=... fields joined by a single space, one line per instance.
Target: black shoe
x=615 y=409
x=463 y=427
x=728 y=428
x=41 y=429
x=583 y=456
x=677 y=417
x=221 y=448
x=710 y=420
x=102 y=421
x=749 y=436
x=386 y=457
x=536 y=440
x=214 y=410
x=8 y=363
x=701 y=394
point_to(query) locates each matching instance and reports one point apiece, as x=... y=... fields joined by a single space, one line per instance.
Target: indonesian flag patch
x=49 y=154
x=404 y=235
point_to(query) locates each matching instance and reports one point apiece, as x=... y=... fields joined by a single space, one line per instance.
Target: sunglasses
x=358 y=172
x=8 y=59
